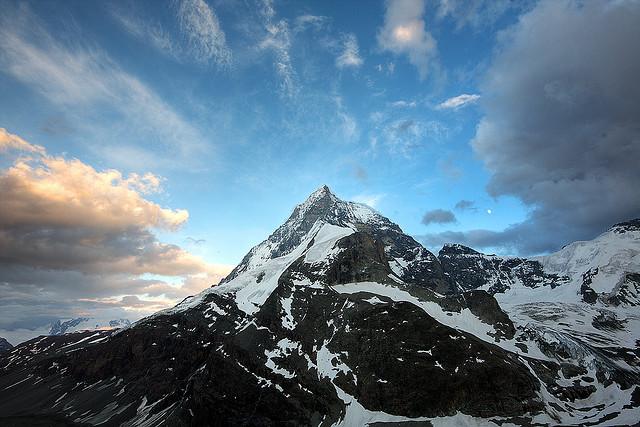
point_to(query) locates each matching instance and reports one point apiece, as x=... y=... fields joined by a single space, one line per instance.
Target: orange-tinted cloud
x=9 y=141
x=69 y=230
x=56 y=192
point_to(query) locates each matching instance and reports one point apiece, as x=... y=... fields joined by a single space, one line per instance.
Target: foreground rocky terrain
x=339 y=318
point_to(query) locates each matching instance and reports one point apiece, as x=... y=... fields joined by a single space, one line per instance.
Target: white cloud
x=403 y=136
x=404 y=33
x=150 y=32
x=200 y=26
x=200 y=39
x=371 y=200
x=458 y=102
x=404 y=104
x=388 y=68
x=278 y=40
x=474 y=13
x=303 y=22
x=348 y=124
x=85 y=80
x=350 y=56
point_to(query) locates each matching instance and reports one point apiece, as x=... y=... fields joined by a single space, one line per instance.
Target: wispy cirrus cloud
x=149 y=31
x=403 y=104
x=277 y=39
x=404 y=135
x=201 y=28
x=404 y=33
x=199 y=37
x=474 y=13
x=10 y=141
x=457 y=102
x=350 y=55
x=303 y=22
x=85 y=81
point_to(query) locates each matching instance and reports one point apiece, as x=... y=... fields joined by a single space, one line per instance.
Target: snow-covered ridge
x=607 y=257
x=322 y=205
x=312 y=231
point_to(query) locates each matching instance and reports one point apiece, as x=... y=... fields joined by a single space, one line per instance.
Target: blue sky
x=433 y=112
x=250 y=147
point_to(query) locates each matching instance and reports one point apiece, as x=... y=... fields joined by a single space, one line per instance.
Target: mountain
x=5 y=345
x=339 y=318
x=63 y=326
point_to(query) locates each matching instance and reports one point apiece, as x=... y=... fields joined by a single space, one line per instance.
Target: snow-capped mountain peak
x=311 y=234
x=338 y=318
x=599 y=266
x=323 y=205
x=321 y=208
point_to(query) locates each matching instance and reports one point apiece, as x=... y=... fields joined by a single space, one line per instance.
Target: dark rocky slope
x=338 y=318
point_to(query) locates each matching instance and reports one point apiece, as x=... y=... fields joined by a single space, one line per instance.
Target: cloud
x=205 y=38
x=473 y=13
x=388 y=68
x=560 y=130
x=148 y=31
x=350 y=56
x=438 y=216
x=56 y=192
x=75 y=235
x=458 y=102
x=404 y=33
x=403 y=104
x=199 y=37
x=347 y=124
x=316 y=22
x=277 y=39
x=403 y=136
x=370 y=200
x=466 y=205
x=9 y=141
x=85 y=81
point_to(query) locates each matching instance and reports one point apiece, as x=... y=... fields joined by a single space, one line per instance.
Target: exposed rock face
x=336 y=319
x=468 y=269
x=625 y=293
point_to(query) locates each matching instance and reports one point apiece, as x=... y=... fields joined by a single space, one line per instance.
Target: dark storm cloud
x=561 y=129
x=438 y=216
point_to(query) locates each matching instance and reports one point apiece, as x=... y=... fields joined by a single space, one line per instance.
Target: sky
x=145 y=147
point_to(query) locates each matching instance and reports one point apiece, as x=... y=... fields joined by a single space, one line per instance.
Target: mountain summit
x=338 y=318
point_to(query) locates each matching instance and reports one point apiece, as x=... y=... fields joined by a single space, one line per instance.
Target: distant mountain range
x=60 y=327
x=339 y=318
x=63 y=326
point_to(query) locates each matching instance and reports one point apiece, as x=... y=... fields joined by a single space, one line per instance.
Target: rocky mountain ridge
x=339 y=318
